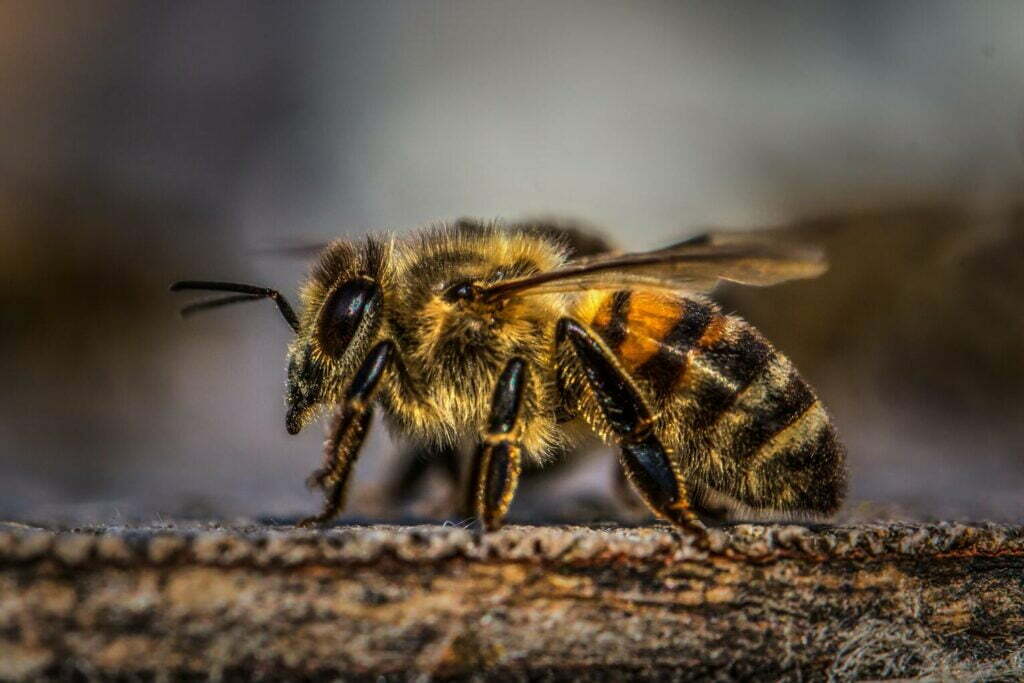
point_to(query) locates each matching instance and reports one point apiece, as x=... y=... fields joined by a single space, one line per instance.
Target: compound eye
x=343 y=314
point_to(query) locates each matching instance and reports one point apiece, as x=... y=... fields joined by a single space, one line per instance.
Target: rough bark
x=770 y=602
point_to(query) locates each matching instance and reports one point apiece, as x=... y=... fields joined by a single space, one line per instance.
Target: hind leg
x=712 y=513
x=624 y=412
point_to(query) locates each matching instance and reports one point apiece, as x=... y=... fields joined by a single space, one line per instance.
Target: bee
x=506 y=336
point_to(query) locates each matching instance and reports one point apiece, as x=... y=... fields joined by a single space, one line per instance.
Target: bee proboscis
x=506 y=335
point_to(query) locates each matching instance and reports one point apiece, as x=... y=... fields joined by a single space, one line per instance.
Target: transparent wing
x=695 y=265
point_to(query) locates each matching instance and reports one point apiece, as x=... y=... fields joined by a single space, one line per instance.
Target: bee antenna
x=242 y=293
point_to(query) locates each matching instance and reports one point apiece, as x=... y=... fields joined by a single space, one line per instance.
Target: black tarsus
x=648 y=467
x=499 y=478
x=245 y=292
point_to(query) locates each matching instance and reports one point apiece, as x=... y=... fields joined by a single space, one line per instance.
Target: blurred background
x=145 y=142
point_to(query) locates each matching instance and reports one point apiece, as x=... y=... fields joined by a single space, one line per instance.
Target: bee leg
x=497 y=462
x=349 y=428
x=654 y=475
x=709 y=513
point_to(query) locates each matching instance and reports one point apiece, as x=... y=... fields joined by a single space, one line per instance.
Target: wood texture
x=254 y=601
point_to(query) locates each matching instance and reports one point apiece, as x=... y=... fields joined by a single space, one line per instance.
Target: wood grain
x=771 y=602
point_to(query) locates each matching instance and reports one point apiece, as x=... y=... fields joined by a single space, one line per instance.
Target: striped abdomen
x=742 y=420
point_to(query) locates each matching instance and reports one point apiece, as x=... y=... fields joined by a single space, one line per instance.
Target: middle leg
x=497 y=462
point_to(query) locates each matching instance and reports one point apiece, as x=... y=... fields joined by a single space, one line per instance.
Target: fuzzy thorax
x=451 y=350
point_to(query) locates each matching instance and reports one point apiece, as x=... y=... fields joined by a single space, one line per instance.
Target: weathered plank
x=772 y=602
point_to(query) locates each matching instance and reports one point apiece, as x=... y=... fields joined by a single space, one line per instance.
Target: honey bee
x=506 y=335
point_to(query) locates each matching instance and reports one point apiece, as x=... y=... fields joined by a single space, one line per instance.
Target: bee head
x=341 y=315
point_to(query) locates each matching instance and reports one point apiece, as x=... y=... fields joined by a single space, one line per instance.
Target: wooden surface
x=771 y=602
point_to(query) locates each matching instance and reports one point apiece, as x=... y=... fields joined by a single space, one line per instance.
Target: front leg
x=654 y=475
x=497 y=462
x=349 y=431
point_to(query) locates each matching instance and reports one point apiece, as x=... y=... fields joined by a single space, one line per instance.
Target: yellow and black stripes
x=782 y=401
x=737 y=408
x=729 y=365
x=775 y=448
x=665 y=367
x=814 y=470
x=612 y=317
